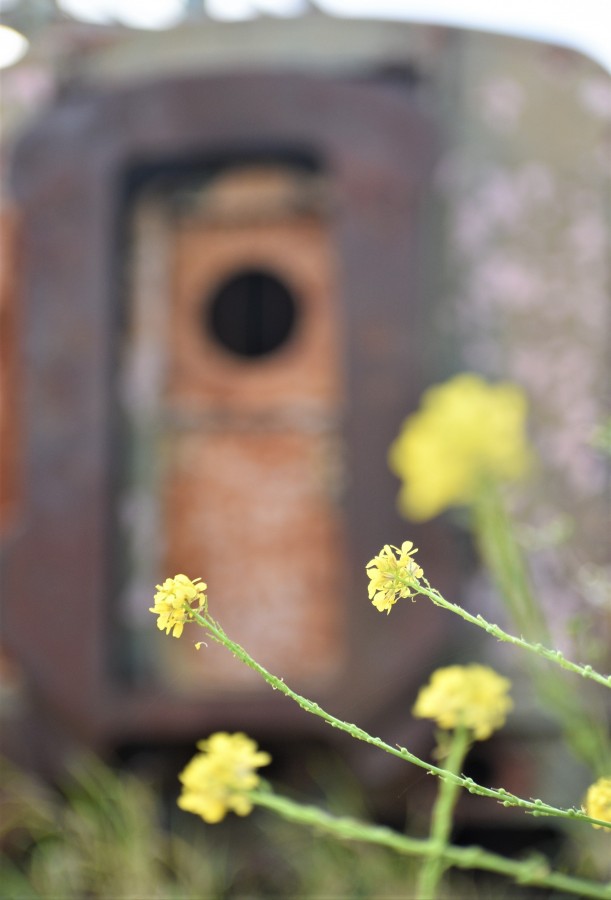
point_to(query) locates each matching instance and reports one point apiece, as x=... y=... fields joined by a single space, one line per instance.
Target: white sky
x=582 y=24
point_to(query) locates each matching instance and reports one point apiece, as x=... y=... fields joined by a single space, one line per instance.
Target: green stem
x=584 y=734
x=533 y=871
x=555 y=656
x=505 y=560
x=532 y=807
x=443 y=815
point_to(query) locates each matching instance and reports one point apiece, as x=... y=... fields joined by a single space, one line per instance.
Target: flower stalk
x=506 y=798
x=554 y=656
x=504 y=558
x=443 y=815
x=533 y=871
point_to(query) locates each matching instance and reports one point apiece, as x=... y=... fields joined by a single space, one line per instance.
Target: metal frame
x=68 y=179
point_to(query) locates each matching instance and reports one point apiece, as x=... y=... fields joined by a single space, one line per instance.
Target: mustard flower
x=173 y=602
x=388 y=573
x=598 y=802
x=220 y=778
x=473 y=696
x=465 y=429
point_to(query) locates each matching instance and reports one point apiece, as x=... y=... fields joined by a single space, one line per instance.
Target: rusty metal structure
x=222 y=312
x=238 y=256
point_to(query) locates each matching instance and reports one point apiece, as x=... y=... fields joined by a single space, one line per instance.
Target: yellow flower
x=173 y=602
x=219 y=778
x=598 y=802
x=472 y=696
x=464 y=430
x=388 y=572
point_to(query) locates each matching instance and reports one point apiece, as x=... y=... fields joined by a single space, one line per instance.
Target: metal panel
x=237 y=458
x=62 y=576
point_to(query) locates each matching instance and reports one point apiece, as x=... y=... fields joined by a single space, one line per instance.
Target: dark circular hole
x=251 y=314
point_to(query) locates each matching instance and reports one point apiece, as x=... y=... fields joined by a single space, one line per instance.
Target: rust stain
x=251 y=453
x=250 y=513
x=203 y=375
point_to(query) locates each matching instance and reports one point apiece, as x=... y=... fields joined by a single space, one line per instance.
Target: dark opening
x=251 y=314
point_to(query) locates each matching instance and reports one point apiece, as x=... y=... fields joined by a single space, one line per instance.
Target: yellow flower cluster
x=598 y=802
x=465 y=429
x=473 y=697
x=174 y=602
x=392 y=574
x=219 y=778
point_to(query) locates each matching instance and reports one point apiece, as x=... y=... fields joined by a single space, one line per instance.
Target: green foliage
x=106 y=835
x=100 y=838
